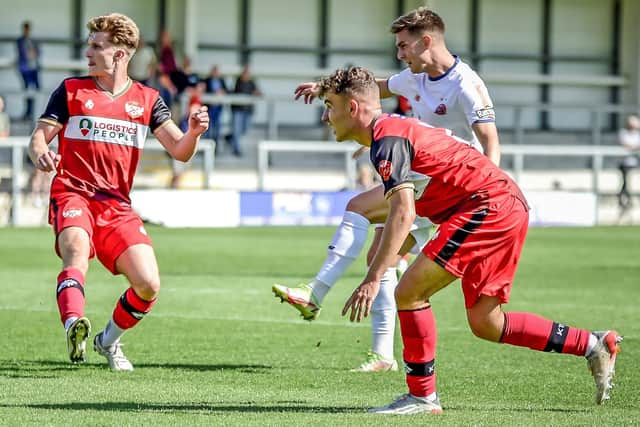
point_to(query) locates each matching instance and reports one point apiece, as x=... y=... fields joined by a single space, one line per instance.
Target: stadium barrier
x=200 y=208
x=18 y=146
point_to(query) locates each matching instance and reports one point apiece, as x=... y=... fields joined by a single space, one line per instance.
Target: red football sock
x=419 y=337
x=70 y=293
x=538 y=333
x=130 y=309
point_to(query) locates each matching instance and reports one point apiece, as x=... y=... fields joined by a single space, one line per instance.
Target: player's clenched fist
x=48 y=161
x=199 y=120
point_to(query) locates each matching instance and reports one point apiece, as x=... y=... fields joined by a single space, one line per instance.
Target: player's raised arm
x=383 y=85
x=308 y=91
x=182 y=146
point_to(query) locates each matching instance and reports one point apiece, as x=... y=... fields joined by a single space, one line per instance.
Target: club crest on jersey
x=71 y=213
x=85 y=126
x=441 y=110
x=133 y=109
x=89 y=104
x=384 y=169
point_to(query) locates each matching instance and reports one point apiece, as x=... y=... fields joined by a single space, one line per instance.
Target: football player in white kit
x=444 y=92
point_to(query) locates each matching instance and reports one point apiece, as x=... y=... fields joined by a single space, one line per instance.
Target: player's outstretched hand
x=361 y=300
x=307 y=90
x=199 y=120
x=48 y=161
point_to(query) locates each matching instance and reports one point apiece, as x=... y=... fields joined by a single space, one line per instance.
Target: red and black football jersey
x=444 y=171
x=102 y=135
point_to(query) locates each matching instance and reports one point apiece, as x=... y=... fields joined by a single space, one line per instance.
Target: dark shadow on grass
x=449 y=409
x=22 y=368
x=192 y=407
x=253 y=407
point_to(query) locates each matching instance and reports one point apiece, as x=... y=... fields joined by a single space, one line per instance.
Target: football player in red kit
x=101 y=122
x=483 y=219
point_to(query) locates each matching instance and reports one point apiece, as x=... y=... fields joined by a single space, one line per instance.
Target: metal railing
x=322 y=147
x=18 y=145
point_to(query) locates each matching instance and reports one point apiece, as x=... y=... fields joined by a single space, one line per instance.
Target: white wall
x=510 y=27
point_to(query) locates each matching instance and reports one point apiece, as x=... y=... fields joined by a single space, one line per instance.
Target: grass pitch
x=219 y=349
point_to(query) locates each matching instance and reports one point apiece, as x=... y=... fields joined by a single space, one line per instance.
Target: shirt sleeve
x=402 y=83
x=392 y=157
x=476 y=102
x=160 y=114
x=57 y=111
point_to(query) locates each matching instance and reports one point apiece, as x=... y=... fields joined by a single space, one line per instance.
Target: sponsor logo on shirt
x=112 y=131
x=441 y=110
x=85 y=126
x=384 y=169
x=71 y=213
x=133 y=109
x=486 y=113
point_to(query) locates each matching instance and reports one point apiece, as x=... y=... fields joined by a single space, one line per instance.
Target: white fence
x=595 y=155
x=18 y=146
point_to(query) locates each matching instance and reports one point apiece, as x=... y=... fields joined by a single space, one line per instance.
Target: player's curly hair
x=418 y=21
x=122 y=30
x=348 y=81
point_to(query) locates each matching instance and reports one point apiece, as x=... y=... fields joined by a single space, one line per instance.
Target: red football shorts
x=482 y=246
x=111 y=226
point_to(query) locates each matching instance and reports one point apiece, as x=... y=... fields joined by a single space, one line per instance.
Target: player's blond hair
x=348 y=81
x=122 y=30
x=419 y=21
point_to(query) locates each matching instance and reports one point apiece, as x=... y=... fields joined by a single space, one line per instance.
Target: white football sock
x=319 y=290
x=593 y=340
x=69 y=322
x=383 y=315
x=346 y=245
x=111 y=334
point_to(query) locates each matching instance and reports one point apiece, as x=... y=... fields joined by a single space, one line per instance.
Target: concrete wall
x=509 y=30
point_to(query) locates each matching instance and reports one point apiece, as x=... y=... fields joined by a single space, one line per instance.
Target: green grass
x=219 y=349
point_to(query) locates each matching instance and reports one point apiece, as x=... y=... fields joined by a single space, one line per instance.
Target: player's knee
x=357 y=205
x=147 y=287
x=405 y=296
x=483 y=327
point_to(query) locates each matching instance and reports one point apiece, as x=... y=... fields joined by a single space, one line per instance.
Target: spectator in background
x=168 y=63
x=629 y=138
x=28 y=65
x=215 y=85
x=5 y=123
x=366 y=177
x=191 y=77
x=178 y=168
x=142 y=66
x=403 y=106
x=241 y=114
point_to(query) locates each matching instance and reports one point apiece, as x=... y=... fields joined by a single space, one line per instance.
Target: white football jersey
x=455 y=100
